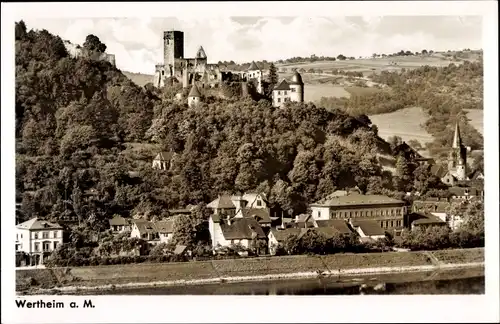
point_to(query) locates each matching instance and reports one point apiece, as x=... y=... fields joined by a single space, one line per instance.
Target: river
x=470 y=281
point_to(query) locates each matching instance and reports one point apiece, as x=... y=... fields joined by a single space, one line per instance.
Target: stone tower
x=296 y=88
x=194 y=96
x=173 y=48
x=457 y=158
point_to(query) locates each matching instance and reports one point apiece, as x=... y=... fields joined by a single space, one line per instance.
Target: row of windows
x=45 y=246
x=285 y=92
x=44 y=235
x=284 y=99
x=365 y=213
x=391 y=223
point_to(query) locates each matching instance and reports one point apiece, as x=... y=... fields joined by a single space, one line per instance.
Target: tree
x=424 y=52
x=20 y=30
x=403 y=173
x=94 y=44
x=184 y=231
x=273 y=75
x=415 y=144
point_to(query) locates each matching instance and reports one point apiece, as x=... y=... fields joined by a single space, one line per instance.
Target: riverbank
x=68 y=280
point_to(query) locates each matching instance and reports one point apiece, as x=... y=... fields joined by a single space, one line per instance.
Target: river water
x=471 y=281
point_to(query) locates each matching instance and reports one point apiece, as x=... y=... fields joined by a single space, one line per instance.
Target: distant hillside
x=139 y=78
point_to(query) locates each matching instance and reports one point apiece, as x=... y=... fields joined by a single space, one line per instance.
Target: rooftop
x=222 y=202
x=369 y=227
x=37 y=224
x=283 y=85
x=118 y=221
x=338 y=224
x=242 y=228
x=354 y=200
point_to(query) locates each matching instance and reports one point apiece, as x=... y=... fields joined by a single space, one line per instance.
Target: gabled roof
x=36 y=224
x=201 y=53
x=259 y=214
x=425 y=218
x=369 y=227
x=222 y=202
x=145 y=226
x=354 y=200
x=431 y=206
x=194 y=91
x=338 y=224
x=166 y=226
x=253 y=67
x=282 y=86
x=164 y=156
x=281 y=235
x=118 y=221
x=438 y=170
x=242 y=228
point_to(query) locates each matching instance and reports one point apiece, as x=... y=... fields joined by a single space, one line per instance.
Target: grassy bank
x=261 y=268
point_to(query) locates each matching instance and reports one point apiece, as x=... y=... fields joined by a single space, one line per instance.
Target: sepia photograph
x=248 y=155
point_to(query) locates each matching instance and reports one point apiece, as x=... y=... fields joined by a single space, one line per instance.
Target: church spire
x=457 y=140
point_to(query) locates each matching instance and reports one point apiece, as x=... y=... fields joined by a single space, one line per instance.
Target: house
x=339 y=225
x=289 y=91
x=421 y=219
x=388 y=212
x=368 y=230
x=243 y=231
x=465 y=193
x=119 y=224
x=165 y=230
x=162 y=161
x=37 y=239
x=223 y=205
x=145 y=230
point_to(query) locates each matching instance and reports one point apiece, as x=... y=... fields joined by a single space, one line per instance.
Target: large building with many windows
x=37 y=239
x=387 y=212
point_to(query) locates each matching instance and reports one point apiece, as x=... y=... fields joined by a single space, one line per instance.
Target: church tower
x=457 y=159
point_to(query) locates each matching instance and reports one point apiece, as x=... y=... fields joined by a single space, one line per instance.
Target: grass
x=145 y=272
x=314 y=92
x=374 y=260
x=361 y=91
x=460 y=256
x=269 y=265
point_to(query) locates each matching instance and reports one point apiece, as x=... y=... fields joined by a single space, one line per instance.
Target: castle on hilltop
x=189 y=71
x=75 y=50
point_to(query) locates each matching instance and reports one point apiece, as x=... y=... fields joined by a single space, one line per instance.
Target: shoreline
x=261 y=278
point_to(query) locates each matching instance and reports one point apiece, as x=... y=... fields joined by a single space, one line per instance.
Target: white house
x=368 y=230
x=244 y=231
x=153 y=232
x=38 y=238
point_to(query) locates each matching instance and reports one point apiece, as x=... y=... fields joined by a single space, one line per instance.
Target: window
x=279 y=92
x=45 y=235
x=334 y=214
x=319 y=214
x=279 y=99
x=162 y=72
x=381 y=224
x=17 y=238
x=37 y=247
x=355 y=214
x=285 y=93
x=21 y=235
x=371 y=213
x=259 y=203
x=293 y=89
x=46 y=246
x=55 y=245
x=392 y=223
x=35 y=235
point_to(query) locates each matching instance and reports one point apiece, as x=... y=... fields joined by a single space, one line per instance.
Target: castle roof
x=253 y=67
x=457 y=140
x=297 y=79
x=201 y=53
x=194 y=91
x=282 y=86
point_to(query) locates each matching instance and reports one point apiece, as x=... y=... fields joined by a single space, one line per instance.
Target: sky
x=137 y=42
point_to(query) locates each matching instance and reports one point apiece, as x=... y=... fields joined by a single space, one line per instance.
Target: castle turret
x=457 y=159
x=254 y=72
x=296 y=88
x=194 y=96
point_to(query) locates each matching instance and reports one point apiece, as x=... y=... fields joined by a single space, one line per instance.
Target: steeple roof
x=457 y=140
x=194 y=91
x=253 y=67
x=201 y=53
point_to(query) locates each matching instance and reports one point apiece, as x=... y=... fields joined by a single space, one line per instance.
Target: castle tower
x=254 y=72
x=194 y=96
x=457 y=158
x=173 y=48
x=296 y=88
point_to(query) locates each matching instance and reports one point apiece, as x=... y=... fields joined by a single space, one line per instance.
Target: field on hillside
x=405 y=123
x=476 y=119
x=372 y=65
x=139 y=78
x=314 y=92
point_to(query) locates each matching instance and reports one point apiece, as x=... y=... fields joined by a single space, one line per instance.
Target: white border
x=269 y=309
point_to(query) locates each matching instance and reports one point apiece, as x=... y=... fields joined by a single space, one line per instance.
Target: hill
x=139 y=79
